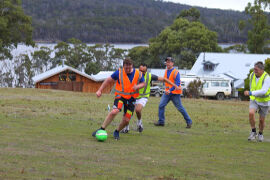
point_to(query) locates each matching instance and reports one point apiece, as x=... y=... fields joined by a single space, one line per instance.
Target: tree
x=236 y=48
x=266 y=3
x=74 y=53
x=90 y=59
x=15 y=27
x=115 y=55
x=184 y=41
x=140 y=54
x=258 y=37
x=92 y=68
x=61 y=53
x=41 y=59
x=106 y=56
x=192 y=14
x=23 y=71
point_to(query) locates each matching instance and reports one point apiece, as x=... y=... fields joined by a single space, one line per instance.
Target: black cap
x=170 y=59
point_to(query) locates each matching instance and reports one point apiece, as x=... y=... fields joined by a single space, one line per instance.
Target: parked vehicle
x=218 y=88
x=156 y=91
x=212 y=86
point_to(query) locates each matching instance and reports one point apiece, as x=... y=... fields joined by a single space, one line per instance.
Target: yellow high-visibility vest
x=254 y=87
x=145 y=92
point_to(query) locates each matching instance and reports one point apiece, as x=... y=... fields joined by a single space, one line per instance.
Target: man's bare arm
x=103 y=85
x=169 y=82
x=139 y=86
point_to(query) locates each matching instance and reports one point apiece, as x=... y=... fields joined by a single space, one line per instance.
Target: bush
x=241 y=94
x=194 y=88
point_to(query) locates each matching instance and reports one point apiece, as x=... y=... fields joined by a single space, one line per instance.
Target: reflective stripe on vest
x=145 y=92
x=257 y=86
x=122 y=84
x=174 y=76
x=172 y=79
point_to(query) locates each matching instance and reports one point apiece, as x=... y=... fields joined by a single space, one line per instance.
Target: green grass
x=46 y=134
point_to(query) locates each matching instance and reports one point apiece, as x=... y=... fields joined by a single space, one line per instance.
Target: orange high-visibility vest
x=172 y=79
x=124 y=87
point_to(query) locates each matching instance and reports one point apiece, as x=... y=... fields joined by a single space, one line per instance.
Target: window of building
x=209 y=66
x=63 y=76
x=72 y=76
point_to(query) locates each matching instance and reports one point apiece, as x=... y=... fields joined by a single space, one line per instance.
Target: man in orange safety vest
x=128 y=82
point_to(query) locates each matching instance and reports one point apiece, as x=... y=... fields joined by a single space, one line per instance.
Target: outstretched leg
x=178 y=104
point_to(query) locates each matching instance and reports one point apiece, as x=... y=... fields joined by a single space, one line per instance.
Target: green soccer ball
x=101 y=135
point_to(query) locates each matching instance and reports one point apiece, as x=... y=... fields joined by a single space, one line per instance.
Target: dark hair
x=143 y=64
x=127 y=61
x=170 y=59
x=260 y=65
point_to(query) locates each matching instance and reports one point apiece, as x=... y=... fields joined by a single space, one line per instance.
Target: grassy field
x=46 y=134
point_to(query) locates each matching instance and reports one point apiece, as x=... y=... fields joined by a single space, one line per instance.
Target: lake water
x=23 y=49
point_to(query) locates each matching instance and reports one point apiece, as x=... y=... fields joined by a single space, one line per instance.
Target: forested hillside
x=126 y=21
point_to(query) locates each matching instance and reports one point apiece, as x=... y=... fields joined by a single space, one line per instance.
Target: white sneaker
x=125 y=129
x=252 y=136
x=260 y=138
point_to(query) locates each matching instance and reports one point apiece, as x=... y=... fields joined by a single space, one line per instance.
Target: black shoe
x=94 y=133
x=158 y=124
x=124 y=131
x=116 y=135
x=140 y=128
x=189 y=126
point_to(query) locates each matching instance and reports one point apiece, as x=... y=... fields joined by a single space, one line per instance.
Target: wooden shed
x=69 y=79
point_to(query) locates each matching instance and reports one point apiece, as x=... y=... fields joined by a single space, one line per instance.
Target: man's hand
x=98 y=93
x=246 y=93
x=178 y=88
x=135 y=87
x=167 y=92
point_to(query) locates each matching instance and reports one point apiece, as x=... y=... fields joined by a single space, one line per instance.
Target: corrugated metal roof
x=102 y=75
x=235 y=65
x=157 y=72
x=59 y=69
x=160 y=72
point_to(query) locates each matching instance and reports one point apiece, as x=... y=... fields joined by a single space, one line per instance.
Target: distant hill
x=120 y=21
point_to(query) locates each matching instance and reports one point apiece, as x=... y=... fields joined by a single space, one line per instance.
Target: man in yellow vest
x=259 y=94
x=172 y=94
x=128 y=82
x=144 y=95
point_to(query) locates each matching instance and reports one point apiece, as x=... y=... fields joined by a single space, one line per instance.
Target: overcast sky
x=219 y=4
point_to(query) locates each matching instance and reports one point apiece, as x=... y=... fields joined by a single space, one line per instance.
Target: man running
x=128 y=82
x=259 y=94
x=144 y=95
x=172 y=94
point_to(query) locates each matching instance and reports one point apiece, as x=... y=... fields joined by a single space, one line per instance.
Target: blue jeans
x=176 y=99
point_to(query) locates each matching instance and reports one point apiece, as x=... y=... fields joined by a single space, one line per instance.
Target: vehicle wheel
x=220 y=96
x=157 y=95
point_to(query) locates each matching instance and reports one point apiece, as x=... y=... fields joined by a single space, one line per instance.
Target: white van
x=219 y=88
x=212 y=86
x=185 y=80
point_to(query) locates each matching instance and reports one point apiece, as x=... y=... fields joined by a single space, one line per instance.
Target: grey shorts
x=262 y=110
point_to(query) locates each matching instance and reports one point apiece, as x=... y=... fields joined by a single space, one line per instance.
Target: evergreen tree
x=15 y=27
x=259 y=36
x=183 y=40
